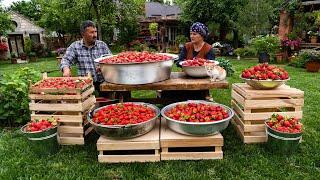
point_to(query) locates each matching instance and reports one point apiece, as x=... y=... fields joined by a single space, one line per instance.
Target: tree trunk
x=235 y=38
x=96 y=11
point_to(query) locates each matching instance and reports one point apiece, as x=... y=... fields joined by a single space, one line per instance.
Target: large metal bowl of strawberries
x=124 y=120
x=197 y=118
x=196 y=67
x=134 y=68
x=264 y=76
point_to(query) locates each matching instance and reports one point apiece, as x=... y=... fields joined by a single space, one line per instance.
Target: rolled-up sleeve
x=69 y=58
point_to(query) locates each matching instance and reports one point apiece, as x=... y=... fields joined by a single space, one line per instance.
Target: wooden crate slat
x=128 y=158
x=256 y=137
x=62 y=118
x=70 y=129
x=248 y=127
x=191 y=155
x=265 y=115
x=87 y=104
x=55 y=107
x=62 y=97
x=271 y=103
x=283 y=91
x=237 y=97
x=71 y=140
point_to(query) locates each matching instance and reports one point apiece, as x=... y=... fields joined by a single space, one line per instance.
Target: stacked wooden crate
x=252 y=107
x=68 y=106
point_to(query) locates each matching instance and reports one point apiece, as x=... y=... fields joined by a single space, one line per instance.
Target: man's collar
x=82 y=43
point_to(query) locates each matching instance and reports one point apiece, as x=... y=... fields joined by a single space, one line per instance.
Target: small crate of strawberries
x=284 y=133
x=265 y=76
x=42 y=135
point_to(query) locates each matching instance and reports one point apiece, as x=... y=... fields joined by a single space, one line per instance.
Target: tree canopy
x=5 y=21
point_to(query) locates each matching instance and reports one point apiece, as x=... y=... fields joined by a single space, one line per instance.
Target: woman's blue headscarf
x=199 y=28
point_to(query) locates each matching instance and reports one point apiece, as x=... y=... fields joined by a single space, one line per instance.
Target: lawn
x=240 y=161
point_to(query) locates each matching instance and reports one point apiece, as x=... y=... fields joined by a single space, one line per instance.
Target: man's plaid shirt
x=78 y=53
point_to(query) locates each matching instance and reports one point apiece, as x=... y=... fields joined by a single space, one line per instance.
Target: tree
x=5 y=21
x=30 y=9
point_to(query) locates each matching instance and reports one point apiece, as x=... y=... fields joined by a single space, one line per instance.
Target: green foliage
x=226 y=65
x=29 y=9
x=268 y=43
x=5 y=22
x=181 y=39
x=27 y=45
x=153 y=28
x=14 y=100
x=246 y=51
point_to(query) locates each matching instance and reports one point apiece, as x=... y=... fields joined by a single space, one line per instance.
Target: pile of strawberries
x=195 y=62
x=58 y=83
x=135 y=57
x=284 y=124
x=123 y=114
x=264 y=72
x=197 y=112
x=41 y=125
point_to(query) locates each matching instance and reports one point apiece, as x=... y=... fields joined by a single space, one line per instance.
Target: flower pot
x=279 y=57
x=314 y=39
x=14 y=60
x=264 y=57
x=313 y=66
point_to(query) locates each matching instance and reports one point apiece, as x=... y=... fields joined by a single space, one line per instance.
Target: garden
x=249 y=113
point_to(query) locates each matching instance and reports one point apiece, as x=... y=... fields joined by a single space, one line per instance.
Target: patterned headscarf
x=199 y=28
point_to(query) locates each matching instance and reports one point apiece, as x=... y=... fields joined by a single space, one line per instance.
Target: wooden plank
x=53 y=97
x=169 y=138
x=89 y=103
x=265 y=115
x=55 y=107
x=87 y=93
x=191 y=155
x=237 y=87
x=271 y=103
x=282 y=91
x=128 y=158
x=237 y=108
x=147 y=141
x=62 y=118
x=237 y=97
x=254 y=137
x=70 y=129
x=71 y=141
x=177 y=81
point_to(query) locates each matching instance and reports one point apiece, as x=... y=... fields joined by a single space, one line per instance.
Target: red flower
x=3 y=47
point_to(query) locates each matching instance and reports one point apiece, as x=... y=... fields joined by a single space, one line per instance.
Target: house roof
x=155 y=9
x=24 y=24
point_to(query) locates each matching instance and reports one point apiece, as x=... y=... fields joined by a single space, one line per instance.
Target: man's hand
x=66 y=72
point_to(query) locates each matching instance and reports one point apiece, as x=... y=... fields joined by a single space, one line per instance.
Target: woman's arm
x=182 y=56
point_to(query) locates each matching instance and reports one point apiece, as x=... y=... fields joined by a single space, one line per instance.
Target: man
x=84 y=52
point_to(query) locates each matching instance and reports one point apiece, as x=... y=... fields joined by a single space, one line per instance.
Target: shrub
x=267 y=44
x=14 y=100
x=226 y=64
x=246 y=51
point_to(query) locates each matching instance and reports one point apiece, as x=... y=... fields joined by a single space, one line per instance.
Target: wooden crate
x=175 y=146
x=70 y=106
x=140 y=149
x=252 y=107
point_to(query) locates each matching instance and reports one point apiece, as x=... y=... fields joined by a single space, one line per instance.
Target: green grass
x=240 y=161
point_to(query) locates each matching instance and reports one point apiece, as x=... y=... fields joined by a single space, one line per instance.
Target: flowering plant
x=3 y=47
x=311 y=33
x=294 y=43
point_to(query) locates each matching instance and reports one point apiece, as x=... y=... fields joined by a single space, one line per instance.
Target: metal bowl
x=196 y=71
x=124 y=131
x=197 y=129
x=137 y=73
x=264 y=84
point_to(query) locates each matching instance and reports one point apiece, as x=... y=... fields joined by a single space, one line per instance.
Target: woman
x=197 y=47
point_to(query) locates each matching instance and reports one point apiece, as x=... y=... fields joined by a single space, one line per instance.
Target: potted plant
x=313 y=36
x=153 y=28
x=14 y=58
x=32 y=56
x=3 y=50
x=265 y=45
x=312 y=60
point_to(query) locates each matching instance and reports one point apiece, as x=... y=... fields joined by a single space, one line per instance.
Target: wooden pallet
x=252 y=107
x=141 y=149
x=70 y=109
x=175 y=146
